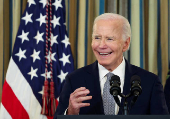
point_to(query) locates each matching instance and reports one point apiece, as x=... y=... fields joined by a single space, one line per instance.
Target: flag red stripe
x=12 y=104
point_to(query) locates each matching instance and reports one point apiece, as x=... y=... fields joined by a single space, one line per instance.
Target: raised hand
x=76 y=100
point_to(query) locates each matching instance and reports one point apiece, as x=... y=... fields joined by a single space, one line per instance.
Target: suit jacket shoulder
x=151 y=100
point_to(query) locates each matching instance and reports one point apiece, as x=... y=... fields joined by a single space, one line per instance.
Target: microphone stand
x=125 y=107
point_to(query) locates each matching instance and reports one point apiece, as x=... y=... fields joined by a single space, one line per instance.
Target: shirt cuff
x=65 y=113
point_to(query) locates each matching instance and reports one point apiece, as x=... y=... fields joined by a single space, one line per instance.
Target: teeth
x=104 y=53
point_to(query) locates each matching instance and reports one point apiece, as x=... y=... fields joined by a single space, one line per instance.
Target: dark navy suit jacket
x=151 y=101
x=167 y=92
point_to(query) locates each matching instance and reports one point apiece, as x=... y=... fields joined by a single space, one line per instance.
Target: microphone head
x=136 y=88
x=135 y=78
x=115 y=85
x=115 y=78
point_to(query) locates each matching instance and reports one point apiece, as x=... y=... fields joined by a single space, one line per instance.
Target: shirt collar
x=120 y=70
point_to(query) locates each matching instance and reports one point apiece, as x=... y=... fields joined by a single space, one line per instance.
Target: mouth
x=105 y=54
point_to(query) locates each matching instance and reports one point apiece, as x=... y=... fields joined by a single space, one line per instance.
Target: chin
x=103 y=63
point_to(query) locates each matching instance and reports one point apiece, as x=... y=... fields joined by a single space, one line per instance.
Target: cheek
x=115 y=47
x=94 y=44
x=112 y=46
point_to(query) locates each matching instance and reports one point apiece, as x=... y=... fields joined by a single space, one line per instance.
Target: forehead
x=107 y=27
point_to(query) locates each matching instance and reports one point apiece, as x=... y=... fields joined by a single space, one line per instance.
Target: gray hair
x=111 y=16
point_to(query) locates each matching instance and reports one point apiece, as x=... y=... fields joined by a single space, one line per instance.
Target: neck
x=111 y=68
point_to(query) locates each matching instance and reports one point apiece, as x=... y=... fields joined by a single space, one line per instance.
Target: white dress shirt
x=119 y=71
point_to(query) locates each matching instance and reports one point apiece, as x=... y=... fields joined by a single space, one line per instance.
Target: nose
x=103 y=44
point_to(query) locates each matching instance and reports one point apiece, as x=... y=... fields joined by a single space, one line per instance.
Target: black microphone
x=136 y=88
x=115 y=88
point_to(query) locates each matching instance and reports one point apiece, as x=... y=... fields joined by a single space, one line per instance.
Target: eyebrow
x=97 y=35
x=111 y=37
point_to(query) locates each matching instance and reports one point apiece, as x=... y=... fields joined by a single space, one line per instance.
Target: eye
x=97 y=37
x=109 y=39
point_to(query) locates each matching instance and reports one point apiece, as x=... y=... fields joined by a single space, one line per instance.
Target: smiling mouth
x=105 y=54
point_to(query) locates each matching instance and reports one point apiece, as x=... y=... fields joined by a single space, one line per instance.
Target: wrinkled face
x=107 y=44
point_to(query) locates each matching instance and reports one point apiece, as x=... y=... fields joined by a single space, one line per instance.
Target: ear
x=126 y=44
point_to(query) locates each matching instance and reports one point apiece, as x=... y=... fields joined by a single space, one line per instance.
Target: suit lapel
x=128 y=75
x=93 y=84
x=129 y=72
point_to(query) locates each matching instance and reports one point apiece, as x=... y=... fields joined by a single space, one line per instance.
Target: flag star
x=33 y=73
x=35 y=55
x=31 y=2
x=66 y=41
x=27 y=18
x=62 y=76
x=21 y=54
x=55 y=21
x=53 y=39
x=65 y=59
x=64 y=23
x=58 y=98
x=42 y=91
x=24 y=36
x=52 y=57
x=57 y=4
x=44 y=2
x=41 y=19
x=38 y=37
x=48 y=75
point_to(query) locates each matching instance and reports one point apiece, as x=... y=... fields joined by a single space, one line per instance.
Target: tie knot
x=109 y=75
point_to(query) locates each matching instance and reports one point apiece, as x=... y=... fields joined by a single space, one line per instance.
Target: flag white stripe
x=23 y=91
x=4 y=113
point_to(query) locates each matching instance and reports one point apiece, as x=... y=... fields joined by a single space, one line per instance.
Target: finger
x=79 y=89
x=81 y=93
x=75 y=96
x=80 y=105
x=81 y=99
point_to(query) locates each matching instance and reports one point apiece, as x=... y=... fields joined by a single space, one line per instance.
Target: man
x=84 y=89
x=167 y=91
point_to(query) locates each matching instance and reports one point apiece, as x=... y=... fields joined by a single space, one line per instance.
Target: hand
x=76 y=99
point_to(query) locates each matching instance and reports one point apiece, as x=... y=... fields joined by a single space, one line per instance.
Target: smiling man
x=86 y=90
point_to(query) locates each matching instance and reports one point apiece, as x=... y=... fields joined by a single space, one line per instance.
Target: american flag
x=23 y=88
